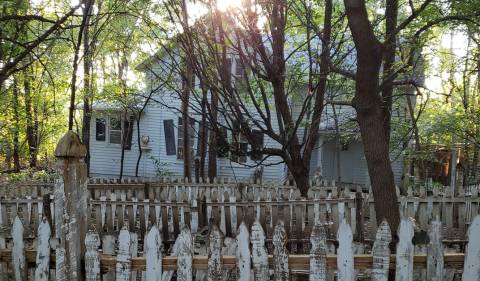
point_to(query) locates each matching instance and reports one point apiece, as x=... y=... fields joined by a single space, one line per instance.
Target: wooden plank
x=133 y=252
x=108 y=247
x=381 y=253
x=435 y=252
x=18 y=251
x=345 y=250
x=243 y=253
x=296 y=262
x=280 y=257
x=215 y=262
x=404 y=257
x=92 y=258
x=318 y=254
x=43 y=252
x=471 y=269
x=185 y=255
x=122 y=272
x=153 y=255
x=259 y=253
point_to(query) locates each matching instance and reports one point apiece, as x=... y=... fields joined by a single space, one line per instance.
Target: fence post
x=243 y=253
x=18 y=251
x=259 y=253
x=381 y=253
x=215 y=264
x=71 y=206
x=404 y=256
x=43 y=251
x=280 y=255
x=318 y=253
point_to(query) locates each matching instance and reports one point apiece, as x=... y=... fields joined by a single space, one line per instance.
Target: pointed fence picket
x=255 y=259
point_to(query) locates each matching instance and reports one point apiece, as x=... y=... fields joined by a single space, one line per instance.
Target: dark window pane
x=243 y=148
x=257 y=145
x=202 y=134
x=100 y=129
x=115 y=130
x=180 y=138
x=222 y=143
x=169 y=131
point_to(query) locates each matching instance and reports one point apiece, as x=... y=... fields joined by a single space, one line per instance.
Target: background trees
x=259 y=68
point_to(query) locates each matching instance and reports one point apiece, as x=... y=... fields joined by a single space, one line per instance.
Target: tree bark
x=391 y=12
x=368 y=104
x=16 y=128
x=87 y=84
x=30 y=123
x=212 y=144
x=187 y=88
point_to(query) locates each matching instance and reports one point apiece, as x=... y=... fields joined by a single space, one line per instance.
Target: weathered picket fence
x=246 y=256
x=197 y=206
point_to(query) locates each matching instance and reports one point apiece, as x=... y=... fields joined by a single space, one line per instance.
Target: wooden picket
x=257 y=261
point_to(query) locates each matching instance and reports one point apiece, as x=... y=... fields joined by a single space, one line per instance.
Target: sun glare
x=224 y=5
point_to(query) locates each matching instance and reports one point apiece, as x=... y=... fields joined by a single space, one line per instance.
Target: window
x=239 y=69
x=115 y=130
x=257 y=145
x=202 y=129
x=128 y=130
x=239 y=145
x=222 y=143
x=100 y=129
x=181 y=127
x=169 y=137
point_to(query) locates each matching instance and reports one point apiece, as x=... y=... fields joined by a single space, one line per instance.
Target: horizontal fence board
x=296 y=262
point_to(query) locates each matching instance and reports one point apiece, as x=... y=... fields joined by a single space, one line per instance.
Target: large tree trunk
x=391 y=12
x=368 y=104
x=30 y=123
x=300 y=173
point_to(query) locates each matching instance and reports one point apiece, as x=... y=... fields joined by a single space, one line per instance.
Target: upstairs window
x=239 y=145
x=257 y=145
x=181 y=127
x=100 y=129
x=127 y=132
x=115 y=130
x=169 y=133
x=239 y=70
x=222 y=143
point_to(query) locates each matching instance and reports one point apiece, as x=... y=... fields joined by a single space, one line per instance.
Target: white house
x=162 y=152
